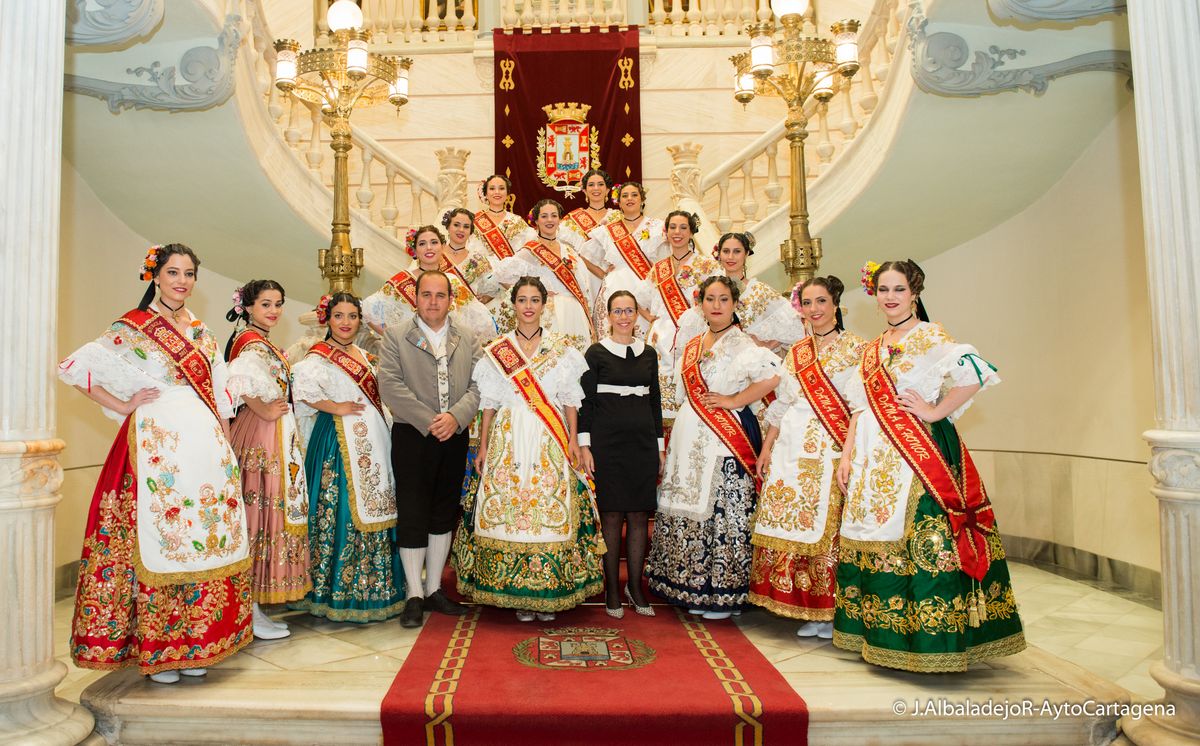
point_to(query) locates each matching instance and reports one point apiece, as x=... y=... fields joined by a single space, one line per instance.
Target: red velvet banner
x=566 y=101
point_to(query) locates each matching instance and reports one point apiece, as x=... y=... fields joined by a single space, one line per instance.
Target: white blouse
x=560 y=381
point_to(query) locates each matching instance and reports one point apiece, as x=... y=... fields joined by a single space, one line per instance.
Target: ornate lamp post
x=337 y=80
x=794 y=66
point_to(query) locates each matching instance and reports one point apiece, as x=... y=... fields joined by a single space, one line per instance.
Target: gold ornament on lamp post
x=795 y=66
x=337 y=80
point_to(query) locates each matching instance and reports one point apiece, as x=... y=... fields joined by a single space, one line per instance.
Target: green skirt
x=913 y=608
x=530 y=576
x=356 y=575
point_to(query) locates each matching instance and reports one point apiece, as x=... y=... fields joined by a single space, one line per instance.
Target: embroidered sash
x=582 y=218
x=252 y=336
x=403 y=285
x=962 y=497
x=359 y=373
x=629 y=249
x=820 y=391
x=516 y=368
x=670 y=290
x=186 y=356
x=563 y=273
x=492 y=234
x=448 y=268
x=724 y=424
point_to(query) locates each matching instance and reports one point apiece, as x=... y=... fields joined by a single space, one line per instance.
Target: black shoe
x=437 y=601
x=413 y=615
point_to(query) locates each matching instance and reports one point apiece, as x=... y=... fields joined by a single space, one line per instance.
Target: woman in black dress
x=621 y=440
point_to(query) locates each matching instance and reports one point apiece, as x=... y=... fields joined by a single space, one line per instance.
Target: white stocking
x=413 y=559
x=439 y=550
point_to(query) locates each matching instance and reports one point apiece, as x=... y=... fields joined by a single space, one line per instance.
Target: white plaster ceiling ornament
x=938 y=59
x=207 y=74
x=1033 y=11
x=112 y=22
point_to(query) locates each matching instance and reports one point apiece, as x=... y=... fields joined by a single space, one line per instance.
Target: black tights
x=636 y=532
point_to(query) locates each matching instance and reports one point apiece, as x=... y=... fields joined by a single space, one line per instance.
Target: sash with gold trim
x=404 y=285
x=492 y=234
x=820 y=391
x=669 y=288
x=516 y=368
x=562 y=272
x=251 y=336
x=629 y=249
x=187 y=357
x=963 y=496
x=582 y=218
x=724 y=423
x=447 y=267
x=359 y=373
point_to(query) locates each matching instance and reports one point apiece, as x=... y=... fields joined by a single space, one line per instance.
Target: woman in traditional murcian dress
x=529 y=538
x=553 y=259
x=267 y=442
x=396 y=301
x=800 y=508
x=356 y=570
x=164 y=577
x=668 y=292
x=762 y=312
x=922 y=582
x=700 y=553
x=583 y=220
x=498 y=233
x=470 y=261
x=625 y=250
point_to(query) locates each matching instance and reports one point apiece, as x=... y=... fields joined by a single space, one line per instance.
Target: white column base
x=30 y=713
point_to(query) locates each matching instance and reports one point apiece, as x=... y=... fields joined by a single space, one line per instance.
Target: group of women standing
x=623 y=375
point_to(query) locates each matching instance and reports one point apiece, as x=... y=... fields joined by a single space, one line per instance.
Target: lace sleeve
x=855 y=391
x=384 y=310
x=777 y=322
x=593 y=250
x=102 y=363
x=691 y=325
x=251 y=376
x=562 y=381
x=644 y=292
x=311 y=382
x=509 y=270
x=493 y=386
x=961 y=365
x=756 y=363
x=786 y=395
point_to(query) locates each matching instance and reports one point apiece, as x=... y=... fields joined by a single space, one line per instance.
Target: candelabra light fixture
x=793 y=63
x=338 y=79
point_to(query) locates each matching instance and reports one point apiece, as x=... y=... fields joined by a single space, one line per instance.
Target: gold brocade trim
x=930 y=662
x=526 y=603
x=356 y=616
x=746 y=704
x=833 y=524
x=439 y=702
x=915 y=491
x=247 y=638
x=348 y=473
x=295 y=529
x=790 y=612
x=291 y=595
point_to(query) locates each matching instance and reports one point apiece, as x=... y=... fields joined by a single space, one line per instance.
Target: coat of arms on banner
x=567 y=147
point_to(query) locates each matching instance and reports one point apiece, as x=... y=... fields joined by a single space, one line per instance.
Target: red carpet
x=586 y=678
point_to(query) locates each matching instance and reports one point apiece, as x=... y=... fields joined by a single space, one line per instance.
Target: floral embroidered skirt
x=706 y=564
x=531 y=576
x=794 y=585
x=120 y=621
x=356 y=575
x=280 y=569
x=912 y=608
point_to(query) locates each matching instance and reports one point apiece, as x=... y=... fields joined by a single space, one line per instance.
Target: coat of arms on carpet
x=583 y=648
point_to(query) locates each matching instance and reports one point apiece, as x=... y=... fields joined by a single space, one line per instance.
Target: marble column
x=1166 y=59
x=31 y=75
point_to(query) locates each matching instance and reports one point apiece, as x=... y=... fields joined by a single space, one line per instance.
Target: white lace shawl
x=257 y=373
x=316 y=379
x=762 y=312
x=560 y=380
x=734 y=363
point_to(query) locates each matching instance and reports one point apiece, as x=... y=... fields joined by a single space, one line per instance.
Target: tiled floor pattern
x=1101 y=631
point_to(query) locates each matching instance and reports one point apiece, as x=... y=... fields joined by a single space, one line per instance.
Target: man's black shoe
x=412 y=615
x=437 y=601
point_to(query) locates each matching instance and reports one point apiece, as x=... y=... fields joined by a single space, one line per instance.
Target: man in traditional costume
x=425 y=380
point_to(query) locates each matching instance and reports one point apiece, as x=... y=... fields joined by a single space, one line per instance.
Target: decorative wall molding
x=207 y=74
x=114 y=22
x=938 y=60
x=1175 y=461
x=1032 y=11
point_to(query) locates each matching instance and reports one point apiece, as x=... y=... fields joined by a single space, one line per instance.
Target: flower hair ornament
x=410 y=242
x=796 y=296
x=483 y=191
x=239 y=308
x=867 y=278
x=615 y=193
x=322 y=309
x=150 y=262
x=446 y=218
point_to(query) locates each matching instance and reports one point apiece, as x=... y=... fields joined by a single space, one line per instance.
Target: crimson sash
x=191 y=363
x=629 y=249
x=404 y=285
x=820 y=391
x=516 y=368
x=562 y=272
x=722 y=422
x=582 y=218
x=962 y=497
x=669 y=288
x=492 y=234
x=447 y=267
x=252 y=336
x=359 y=373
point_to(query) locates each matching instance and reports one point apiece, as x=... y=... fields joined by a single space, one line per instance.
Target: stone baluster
x=598 y=13
x=583 y=14
x=432 y=22
x=451 y=179
x=724 y=221
x=773 y=189
x=870 y=97
x=31 y=50
x=677 y=28
x=510 y=13
x=685 y=176
x=849 y=124
x=527 y=15
x=389 y=212
x=729 y=12
x=749 y=204
x=316 y=153
x=824 y=143
x=658 y=18
x=693 y=18
x=1165 y=57
x=545 y=19
x=291 y=132
x=416 y=215
x=365 y=194
x=563 y=17
x=617 y=13
x=764 y=10
x=468 y=21
x=746 y=14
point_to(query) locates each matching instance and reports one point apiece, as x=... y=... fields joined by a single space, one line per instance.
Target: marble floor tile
x=1103 y=643
x=299 y=655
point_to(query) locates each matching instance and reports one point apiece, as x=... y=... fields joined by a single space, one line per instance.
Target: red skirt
x=794 y=585
x=120 y=621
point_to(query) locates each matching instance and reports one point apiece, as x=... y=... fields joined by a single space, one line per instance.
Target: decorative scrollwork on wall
x=206 y=73
x=1032 y=11
x=113 y=22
